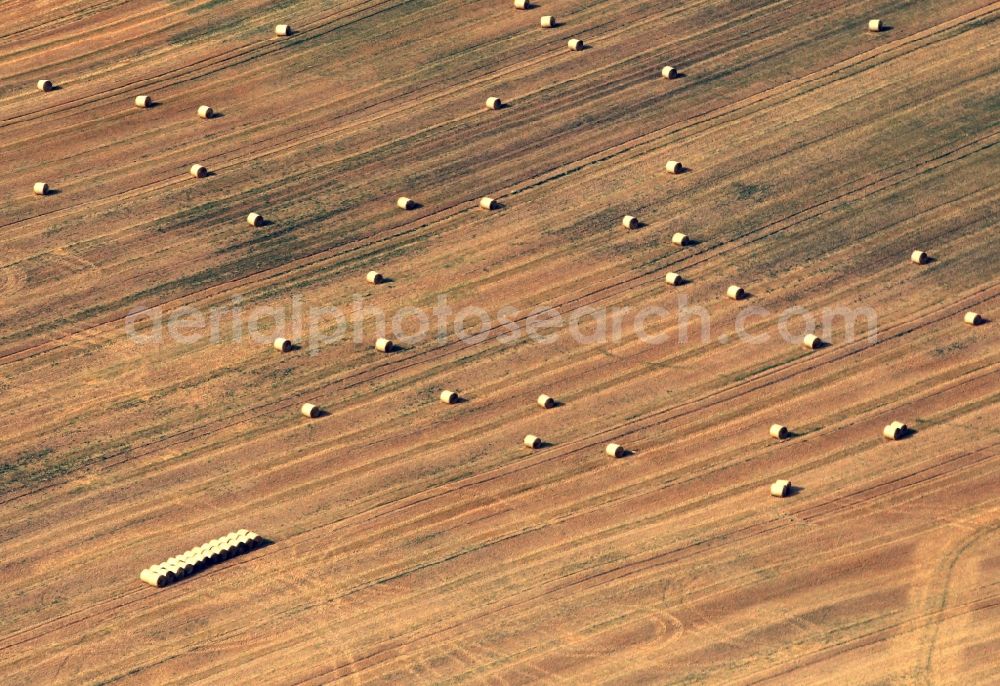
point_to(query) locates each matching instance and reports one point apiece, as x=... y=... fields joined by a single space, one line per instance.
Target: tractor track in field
x=48 y=23
x=835 y=503
x=591 y=579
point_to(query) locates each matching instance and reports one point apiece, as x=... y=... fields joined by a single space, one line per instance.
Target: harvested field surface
x=413 y=541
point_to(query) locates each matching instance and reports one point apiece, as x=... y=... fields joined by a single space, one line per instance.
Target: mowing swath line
x=877 y=636
x=407 y=365
x=627 y=142
x=584 y=580
x=427 y=99
x=430 y=220
x=366 y=518
x=435 y=633
x=369 y=374
x=212 y=61
x=220 y=570
x=890 y=44
x=304 y=30
x=459 y=87
x=629 y=427
x=364 y=376
x=422 y=100
x=123 y=23
x=66 y=19
x=363 y=519
x=619 y=573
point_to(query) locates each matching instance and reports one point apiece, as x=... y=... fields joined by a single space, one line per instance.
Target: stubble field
x=417 y=542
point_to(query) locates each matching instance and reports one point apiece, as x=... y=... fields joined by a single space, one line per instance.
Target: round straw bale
x=546 y=401
x=548 y=21
x=172 y=566
x=282 y=30
x=493 y=103
x=630 y=222
x=811 y=341
x=680 y=239
x=449 y=397
x=575 y=44
x=488 y=203
x=779 y=431
x=206 y=112
x=918 y=257
x=522 y=4
x=674 y=167
x=255 y=220
x=40 y=188
x=875 y=25
x=384 y=345
x=614 y=450
x=154 y=577
x=532 y=441
x=143 y=101
x=44 y=85
x=973 y=319
x=892 y=431
x=167 y=573
x=198 y=171
x=735 y=292
x=282 y=344
x=241 y=546
x=254 y=539
x=405 y=203
x=669 y=73
x=779 y=489
x=374 y=277
x=674 y=279
x=310 y=410
x=165 y=576
x=900 y=425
